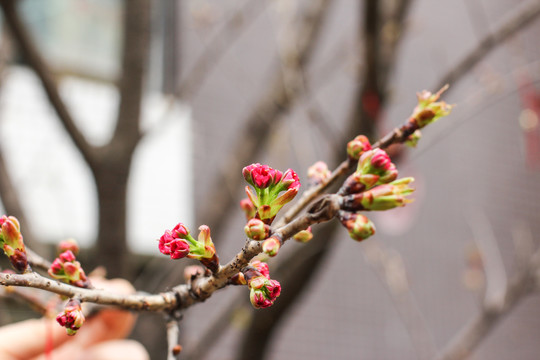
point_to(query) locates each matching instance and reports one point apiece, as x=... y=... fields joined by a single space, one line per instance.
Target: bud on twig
x=271 y=246
x=69 y=244
x=256 y=229
x=357 y=146
x=429 y=109
x=248 y=207
x=358 y=225
x=318 y=172
x=65 y=268
x=267 y=184
x=12 y=243
x=382 y=197
x=303 y=236
x=178 y=243
x=72 y=318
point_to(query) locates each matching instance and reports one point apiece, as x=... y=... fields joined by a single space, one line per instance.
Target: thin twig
x=217 y=47
x=468 y=338
x=173 y=331
x=38 y=64
x=524 y=18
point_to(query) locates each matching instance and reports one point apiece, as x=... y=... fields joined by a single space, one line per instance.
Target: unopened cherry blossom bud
x=256 y=229
x=303 y=236
x=180 y=231
x=357 y=146
x=65 y=268
x=248 y=207
x=382 y=197
x=358 y=225
x=72 y=318
x=261 y=267
x=11 y=241
x=263 y=291
x=318 y=173
x=267 y=185
x=429 y=109
x=271 y=246
x=69 y=244
x=376 y=164
x=261 y=176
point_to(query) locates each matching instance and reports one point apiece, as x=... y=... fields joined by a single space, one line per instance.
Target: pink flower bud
x=261 y=267
x=375 y=168
x=256 y=229
x=258 y=299
x=257 y=282
x=359 y=226
x=67 y=256
x=178 y=249
x=72 y=318
x=290 y=180
x=318 y=172
x=271 y=246
x=71 y=270
x=69 y=244
x=180 y=231
x=248 y=207
x=380 y=160
x=261 y=176
x=356 y=147
x=66 y=268
x=274 y=289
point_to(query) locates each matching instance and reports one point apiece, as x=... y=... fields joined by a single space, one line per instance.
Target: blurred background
x=120 y=119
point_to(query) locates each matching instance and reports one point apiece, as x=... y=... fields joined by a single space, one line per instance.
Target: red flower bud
x=271 y=246
x=356 y=147
x=69 y=244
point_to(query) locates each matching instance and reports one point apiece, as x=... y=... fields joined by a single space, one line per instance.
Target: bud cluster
x=263 y=290
x=178 y=243
x=373 y=186
x=267 y=185
x=12 y=243
x=72 y=318
x=67 y=269
x=382 y=197
x=374 y=168
x=429 y=109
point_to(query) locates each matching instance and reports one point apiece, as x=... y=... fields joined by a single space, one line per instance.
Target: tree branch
x=38 y=64
x=470 y=336
x=135 y=56
x=490 y=42
x=218 y=46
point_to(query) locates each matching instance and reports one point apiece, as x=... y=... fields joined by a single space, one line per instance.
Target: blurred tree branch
x=272 y=105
